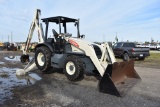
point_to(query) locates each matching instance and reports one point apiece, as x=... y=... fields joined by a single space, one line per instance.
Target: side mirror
x=75 y=24
x=82 y=36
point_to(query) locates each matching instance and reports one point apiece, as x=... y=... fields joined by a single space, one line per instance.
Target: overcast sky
x=133 y=20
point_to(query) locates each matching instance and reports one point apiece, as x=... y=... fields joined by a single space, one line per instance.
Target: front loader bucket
x=119 y=78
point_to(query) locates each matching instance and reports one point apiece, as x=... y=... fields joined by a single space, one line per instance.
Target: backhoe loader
x=76 y=55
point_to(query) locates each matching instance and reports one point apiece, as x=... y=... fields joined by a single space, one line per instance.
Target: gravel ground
x=54 y=90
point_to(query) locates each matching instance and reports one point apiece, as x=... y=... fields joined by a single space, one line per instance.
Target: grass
x=154 y=56
x=152 y=61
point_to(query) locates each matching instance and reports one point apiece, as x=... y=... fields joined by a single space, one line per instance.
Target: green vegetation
x=153 y=61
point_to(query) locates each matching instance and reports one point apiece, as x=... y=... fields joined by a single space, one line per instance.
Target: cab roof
x=56 y=19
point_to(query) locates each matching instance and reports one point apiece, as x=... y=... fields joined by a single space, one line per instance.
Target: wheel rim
x=125 y=57
x=41 y=59
x=70 y=68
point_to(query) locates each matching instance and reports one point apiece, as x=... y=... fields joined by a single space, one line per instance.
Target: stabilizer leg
x=28 y=68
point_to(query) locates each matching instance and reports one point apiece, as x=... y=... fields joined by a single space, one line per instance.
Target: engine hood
x=82 y=41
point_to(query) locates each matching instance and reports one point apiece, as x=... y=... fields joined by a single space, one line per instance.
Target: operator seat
x=57 y=43
x=55 y=33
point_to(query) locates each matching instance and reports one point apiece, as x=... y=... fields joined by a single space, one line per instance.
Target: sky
x=100 y=20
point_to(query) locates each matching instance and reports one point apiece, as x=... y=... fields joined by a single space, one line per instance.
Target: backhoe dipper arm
x=35 y=24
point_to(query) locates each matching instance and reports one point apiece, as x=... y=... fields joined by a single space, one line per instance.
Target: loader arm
x=100 y=64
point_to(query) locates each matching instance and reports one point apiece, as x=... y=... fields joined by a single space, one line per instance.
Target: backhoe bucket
x=119 y=78
x=24 y=58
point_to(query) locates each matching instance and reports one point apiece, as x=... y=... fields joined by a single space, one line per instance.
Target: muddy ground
x=54 y=90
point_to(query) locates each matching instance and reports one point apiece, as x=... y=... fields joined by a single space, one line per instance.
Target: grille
x=97 y=51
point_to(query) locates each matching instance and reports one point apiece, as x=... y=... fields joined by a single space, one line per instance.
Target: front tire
x=73 y=68
x=43 y=59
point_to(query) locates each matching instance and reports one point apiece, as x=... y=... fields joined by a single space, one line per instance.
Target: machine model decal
x=74 y=43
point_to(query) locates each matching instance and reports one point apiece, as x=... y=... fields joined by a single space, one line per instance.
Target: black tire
x=95 y=71
x=73 y=68
x=126 y=57
x=141 y=58
x=43 y=58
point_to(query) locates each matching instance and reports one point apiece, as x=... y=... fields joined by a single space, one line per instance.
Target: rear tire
x=126 y=57
x=73 y=68
x=43 y=59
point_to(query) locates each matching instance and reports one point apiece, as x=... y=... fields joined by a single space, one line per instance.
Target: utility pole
x=11 y=38
x=116 y=38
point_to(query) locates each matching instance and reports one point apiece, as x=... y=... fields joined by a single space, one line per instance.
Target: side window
x=125 y=45
x=117 y=45
x=128 y=45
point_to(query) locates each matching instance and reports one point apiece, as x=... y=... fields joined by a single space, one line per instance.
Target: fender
x=75 y=53
x=50 y=46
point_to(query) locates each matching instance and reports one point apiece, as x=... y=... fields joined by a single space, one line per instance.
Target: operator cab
x=58 y=39
x=60 y=20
